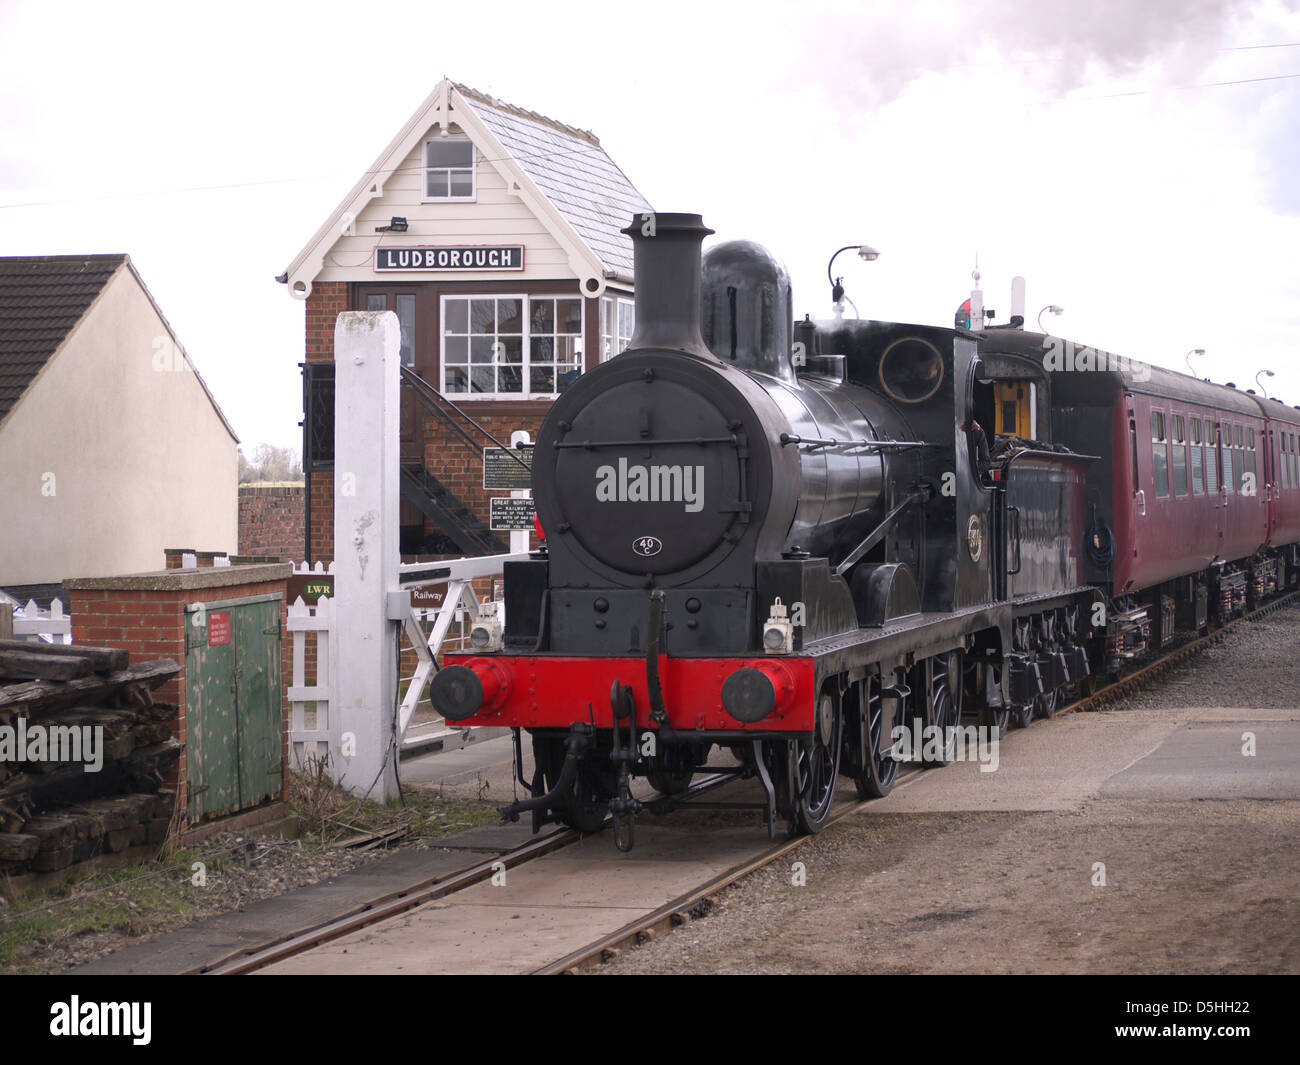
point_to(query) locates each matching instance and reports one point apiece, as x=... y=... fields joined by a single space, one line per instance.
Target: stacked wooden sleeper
x=54 y=813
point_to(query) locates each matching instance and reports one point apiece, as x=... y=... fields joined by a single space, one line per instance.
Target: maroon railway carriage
x=1195 y=514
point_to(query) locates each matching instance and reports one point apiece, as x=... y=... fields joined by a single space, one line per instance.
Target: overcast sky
x=1137 y=162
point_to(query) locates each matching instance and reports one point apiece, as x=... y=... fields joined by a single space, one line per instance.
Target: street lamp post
x=1050 y=307
x=1198 y=352
x=866 y=253
x=1263 y=373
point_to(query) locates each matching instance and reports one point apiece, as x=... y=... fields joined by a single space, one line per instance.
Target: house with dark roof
x=111 y=446
x=493 y=234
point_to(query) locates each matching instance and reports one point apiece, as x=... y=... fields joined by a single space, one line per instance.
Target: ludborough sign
x=504 y=257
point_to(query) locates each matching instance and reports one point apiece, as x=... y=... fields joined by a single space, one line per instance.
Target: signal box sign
x=501 y=473
x=511 y=515
x=218 y=628
x=501 y=257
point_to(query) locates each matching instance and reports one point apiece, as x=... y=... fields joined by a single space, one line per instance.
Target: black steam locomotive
x=787 y=540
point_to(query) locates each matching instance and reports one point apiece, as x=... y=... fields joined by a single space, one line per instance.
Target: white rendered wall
x=114 y=453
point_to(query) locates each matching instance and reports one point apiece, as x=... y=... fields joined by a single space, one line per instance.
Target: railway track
x=679 y=910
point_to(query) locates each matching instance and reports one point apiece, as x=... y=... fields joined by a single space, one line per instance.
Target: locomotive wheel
x=1045 y=704
x=874 y=778
x=1023 y=716
x=817 y=764
x=671 y=771
x=587 y=804
x=944 y=708
x=995 y=717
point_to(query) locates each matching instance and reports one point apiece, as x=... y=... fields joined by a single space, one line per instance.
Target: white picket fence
x=309 y=698
x=48 y=626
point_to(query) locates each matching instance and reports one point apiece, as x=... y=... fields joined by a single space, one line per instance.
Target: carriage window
x=1210 y=460
x=1180 y=457
x=1198 y=459
x=1250 y=453
x=1159 y=455
x=1229 y=478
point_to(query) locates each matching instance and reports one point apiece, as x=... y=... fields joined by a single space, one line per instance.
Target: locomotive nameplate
x=507 y=514
x=501 y=473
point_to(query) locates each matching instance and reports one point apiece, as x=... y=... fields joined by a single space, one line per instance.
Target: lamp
x=866 y=253
x=1050 y=307
x=1263 y=373
x=1188 y=359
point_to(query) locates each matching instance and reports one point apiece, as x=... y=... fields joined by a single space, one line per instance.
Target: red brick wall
x=327 y=301
x=448 y=457
x=271 y=520
x=151 y=624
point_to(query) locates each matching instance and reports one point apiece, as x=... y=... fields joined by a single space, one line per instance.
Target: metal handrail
x=427 y=393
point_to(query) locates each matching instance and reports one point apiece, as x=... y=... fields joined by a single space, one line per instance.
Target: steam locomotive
x=789 y=539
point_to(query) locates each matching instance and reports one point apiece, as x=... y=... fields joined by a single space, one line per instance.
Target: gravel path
x=1203 y=886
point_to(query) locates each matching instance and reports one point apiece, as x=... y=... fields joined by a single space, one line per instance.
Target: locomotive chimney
x=666 y=250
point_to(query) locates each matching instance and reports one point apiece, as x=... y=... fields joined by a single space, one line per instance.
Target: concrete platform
x=1174 y=754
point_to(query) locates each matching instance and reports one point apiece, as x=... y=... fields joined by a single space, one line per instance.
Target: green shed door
x=232 y=705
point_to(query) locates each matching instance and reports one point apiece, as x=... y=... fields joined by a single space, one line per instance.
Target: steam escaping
x=872 y=54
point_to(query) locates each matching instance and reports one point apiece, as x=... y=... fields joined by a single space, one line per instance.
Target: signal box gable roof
x=42 y=300
x=572 y=171
x=560 y=172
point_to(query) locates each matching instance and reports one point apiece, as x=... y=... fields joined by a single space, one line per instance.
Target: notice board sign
x=428 y=596
x=501 y=473
x=511 y=515
x=310 y=587
x=218 y=628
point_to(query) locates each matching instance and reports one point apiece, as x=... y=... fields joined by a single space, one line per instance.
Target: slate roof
x=42 y=298
x=571 y=169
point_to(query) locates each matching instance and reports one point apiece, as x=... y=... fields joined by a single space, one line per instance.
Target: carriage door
x=1272 y=482
x=1215 y=469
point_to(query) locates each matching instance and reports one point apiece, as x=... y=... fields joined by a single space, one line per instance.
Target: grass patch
x=329 y=813
x=130 y=900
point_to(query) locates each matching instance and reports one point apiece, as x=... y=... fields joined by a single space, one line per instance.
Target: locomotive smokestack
x=666 y=250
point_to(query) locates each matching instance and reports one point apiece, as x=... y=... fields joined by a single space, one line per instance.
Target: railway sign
x=508 y=514
x=501 y=473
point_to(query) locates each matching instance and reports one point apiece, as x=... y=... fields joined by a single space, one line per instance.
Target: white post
x=363 y=714
x=519 y=540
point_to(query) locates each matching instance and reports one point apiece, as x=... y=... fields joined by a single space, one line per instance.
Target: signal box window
x=1159 y=455
x=448 y=169
x=1198 y=459
x=510 y=347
